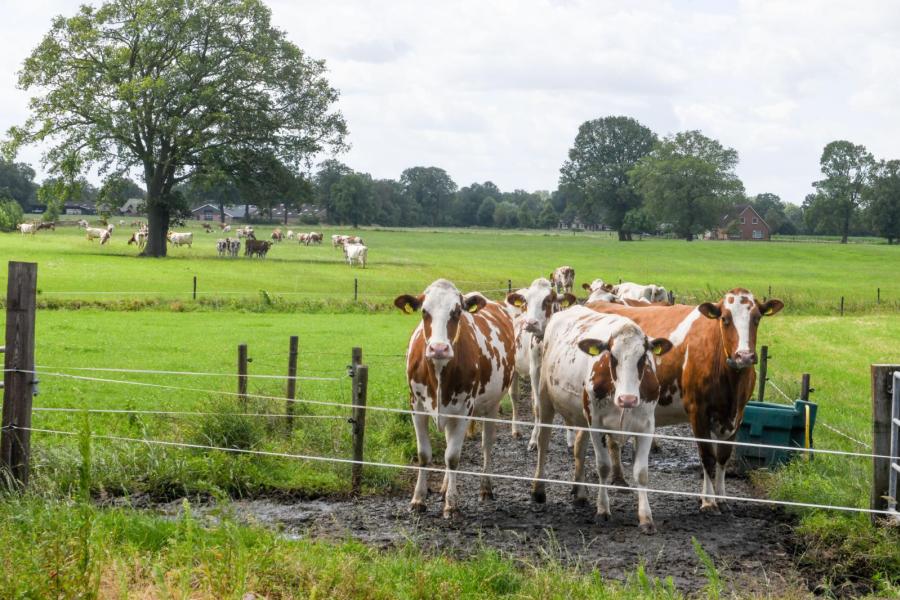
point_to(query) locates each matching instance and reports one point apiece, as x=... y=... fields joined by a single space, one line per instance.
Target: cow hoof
x=539 y=496
x=417 y=507
x=516 y=434
x=532 y=446
x=601 y=517
x=487 y=495
x=647 y=528
x=711 y=509
x=618 y=480
x=579 y=502
x=452 y=513
x=725 y=507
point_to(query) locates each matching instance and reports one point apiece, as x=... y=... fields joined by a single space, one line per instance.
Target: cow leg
x=601 y=458
x=571 y=434
x=423 y=447
x=723 y=454
x=614 y=445
x=580 y=452
x=534 y=376
x=455 y=432
x=642 y=477
x=514 y=395
x=488 y=434
x=547 y=412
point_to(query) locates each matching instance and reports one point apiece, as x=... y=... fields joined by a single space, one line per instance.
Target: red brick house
x=742 y=222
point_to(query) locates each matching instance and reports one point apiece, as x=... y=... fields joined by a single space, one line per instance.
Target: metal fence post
x=763 y=371
x=292 y=381
x=19 y=377
x=882 y=396
x=358 y=421
x=242 y=373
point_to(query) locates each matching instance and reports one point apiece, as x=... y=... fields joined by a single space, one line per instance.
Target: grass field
x=177 y=334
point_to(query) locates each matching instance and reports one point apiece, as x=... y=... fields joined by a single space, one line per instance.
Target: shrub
x=10 y=214
x=309 y=219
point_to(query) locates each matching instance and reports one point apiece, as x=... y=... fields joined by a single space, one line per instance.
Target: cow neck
x=722 y=340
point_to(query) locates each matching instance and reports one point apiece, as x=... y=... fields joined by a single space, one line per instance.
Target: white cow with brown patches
x=646 y=293
x=532 y=308
x=563 y=278
x=599 y=371
x=599 y=291
x=459 y=364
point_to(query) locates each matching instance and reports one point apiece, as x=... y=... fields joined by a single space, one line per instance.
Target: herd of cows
x=624 y=360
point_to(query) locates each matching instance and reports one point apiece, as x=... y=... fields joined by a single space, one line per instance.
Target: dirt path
x=749 y=545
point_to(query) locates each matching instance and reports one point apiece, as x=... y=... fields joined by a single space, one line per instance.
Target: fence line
x=180 y=413
x=481 y=419
x=312 y=457
x=190 y=373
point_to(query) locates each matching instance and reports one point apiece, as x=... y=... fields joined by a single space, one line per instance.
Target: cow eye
x=456 y=312
x=726 y=321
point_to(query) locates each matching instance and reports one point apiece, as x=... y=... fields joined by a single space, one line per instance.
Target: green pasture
x=810 y=277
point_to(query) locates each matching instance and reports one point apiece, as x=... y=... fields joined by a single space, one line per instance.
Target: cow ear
x=608 y=287
x=516 y=299
x=593 y=347
x=659 y=346
x=567 y=300
x=408 y=304
x=586 y=287
x=475 y=302
x=770 y=307
x=710 y=310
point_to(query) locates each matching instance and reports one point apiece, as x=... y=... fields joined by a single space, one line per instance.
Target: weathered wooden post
x=805 y=390
x=360 y=373
x=291 y=382
x=355 y=289
x=18 y=377
x=763 y=370
x=195 y=287
x=882 y=398
x=878 y=296
x=509 y=286
x=842 y=306
x=242 y=373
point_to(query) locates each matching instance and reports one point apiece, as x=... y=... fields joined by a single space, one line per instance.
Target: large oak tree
x=163 y=86
x=847 y=168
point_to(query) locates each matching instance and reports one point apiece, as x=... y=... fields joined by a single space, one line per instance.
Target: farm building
x=210 y=212
x=741 y=222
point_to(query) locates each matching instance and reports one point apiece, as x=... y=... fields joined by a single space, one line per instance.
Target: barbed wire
x=389 y=409
x=366 y=463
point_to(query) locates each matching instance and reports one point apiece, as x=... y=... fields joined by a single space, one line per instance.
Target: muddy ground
x=751 y=545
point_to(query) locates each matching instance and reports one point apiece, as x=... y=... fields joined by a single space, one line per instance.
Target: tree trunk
x=158 y=228
x=689 y=237
x=222 y=212
x=846 y=227
x=623 y=235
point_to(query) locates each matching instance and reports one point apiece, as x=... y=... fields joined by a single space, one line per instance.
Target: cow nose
x=532 y=325
x=439 y=350
x=627 y=400
x=745 y=357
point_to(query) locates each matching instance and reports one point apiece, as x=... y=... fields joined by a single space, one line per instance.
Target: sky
x=496 y=90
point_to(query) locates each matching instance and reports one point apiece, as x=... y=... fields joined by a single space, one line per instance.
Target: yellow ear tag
x=518 y=303
x=407 y=308
x=594 y=350
x=657 y=350
x=473 y=308
x=770 y=312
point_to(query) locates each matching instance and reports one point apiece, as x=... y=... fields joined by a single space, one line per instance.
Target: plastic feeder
x=774 y=425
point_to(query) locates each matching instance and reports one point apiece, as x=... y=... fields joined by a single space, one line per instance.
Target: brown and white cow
x=599 y=291
x=598 y=371
x=459 y=364
x=635 y=291
x=533 y=306
x=563 y=279
x=708 y=377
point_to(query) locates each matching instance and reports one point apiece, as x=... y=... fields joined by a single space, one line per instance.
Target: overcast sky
x=496 y=90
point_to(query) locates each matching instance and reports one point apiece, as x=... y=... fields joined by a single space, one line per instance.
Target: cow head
x=537 y=303
x=625 y=369
x=599 y=290
x=657 y=293
x=442 y=308
x=738 y=314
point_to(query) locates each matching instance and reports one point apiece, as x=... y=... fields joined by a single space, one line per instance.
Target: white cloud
x=496 y=90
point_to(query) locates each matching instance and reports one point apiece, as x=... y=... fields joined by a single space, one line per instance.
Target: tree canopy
x=431 y=188
x=162 y=85
x=847 y=168
x=882 y=200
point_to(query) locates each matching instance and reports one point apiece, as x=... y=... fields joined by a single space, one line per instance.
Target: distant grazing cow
x=234 y=247
x=303 y=238
x=532 y=307
x=139 y=238
x=316 y=238
x=121 y=222
x=48 y=225
x=207 y=227
x=563 y=279
x=258 y=248
x=290 y=234
x=222 y=246
x=636 y=291
x=598 y=371
x=29 y=228
x=226 y=228
x=353 y=239
x=459 y=364
x=246 y=232
x=96 y=233
x=357 y=253
x=708 y=377
x=277 y=236
x=337 y=240
x=82 y=223
x=181 y=239
x=599 y=290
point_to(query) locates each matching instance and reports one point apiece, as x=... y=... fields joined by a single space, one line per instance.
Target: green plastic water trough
x=774 y=425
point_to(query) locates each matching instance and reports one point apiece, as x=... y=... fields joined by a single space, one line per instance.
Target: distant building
x=73 y=208
x=133 y=207
x=210 y=212
x=577 y=225
x=741 y=222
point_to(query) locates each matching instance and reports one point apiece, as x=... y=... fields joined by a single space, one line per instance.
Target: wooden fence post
x=358 y=420
x=842 y=306
x=18 y=377
x=805 y=390
x=509 y=286
x=355 y=359
x=763 y=371
x=242 y=374
x=355 y=289
x=291 y=382
x=195 y=287
x=882 y=380
x=878 y=297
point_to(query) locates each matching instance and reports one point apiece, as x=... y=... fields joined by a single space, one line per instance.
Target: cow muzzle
x=439 y=351
x=533 y=326
x=742 y=360
x=627 y=401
